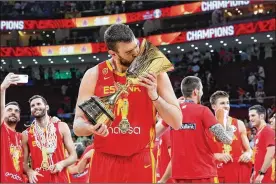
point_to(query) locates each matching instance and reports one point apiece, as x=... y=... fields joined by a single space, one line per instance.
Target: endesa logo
x=131 y=130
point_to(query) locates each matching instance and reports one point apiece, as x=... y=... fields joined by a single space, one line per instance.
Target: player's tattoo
x=225 y=136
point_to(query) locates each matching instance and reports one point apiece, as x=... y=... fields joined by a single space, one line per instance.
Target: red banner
x=163 y=39
x=173 y=11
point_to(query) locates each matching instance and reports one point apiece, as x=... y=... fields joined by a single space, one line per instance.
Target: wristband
x=261 y=173
x=155 y=99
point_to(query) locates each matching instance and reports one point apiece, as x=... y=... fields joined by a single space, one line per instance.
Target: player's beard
x=41 y=114
x=11 y=120
x=124 y=62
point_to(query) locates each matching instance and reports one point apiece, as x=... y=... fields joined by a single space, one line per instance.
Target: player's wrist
x=154 y=97
x=261 y=172
x=3 y=88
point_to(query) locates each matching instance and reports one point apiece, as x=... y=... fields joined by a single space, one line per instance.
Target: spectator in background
x=244 y=56
x=41 y=72
x=259 y=95
x=254 y=52
x=261 y=72
x=252 y=81
x=261 y=52
x=268 y=51
x=30 y=41
x=64 y=88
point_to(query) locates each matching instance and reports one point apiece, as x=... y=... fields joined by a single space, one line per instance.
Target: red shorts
x=107 y=168
x=204 y=180
x=235 y=172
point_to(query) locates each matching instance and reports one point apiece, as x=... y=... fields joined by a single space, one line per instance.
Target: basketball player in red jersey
x=192 y=157
x=11 y=147
x=264 y=150
x=79 y=172
x=119 y=155
x=272 y=121
x=233 y=161
x=45 y=141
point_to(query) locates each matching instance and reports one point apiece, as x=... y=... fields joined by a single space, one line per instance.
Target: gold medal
x=44 y=164
x=124 y=125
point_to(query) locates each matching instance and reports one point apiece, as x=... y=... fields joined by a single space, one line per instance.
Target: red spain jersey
x=164 y=156
x=235 y=149
x=235 y=171
x=192 y=157
x=58 y=155
x=11 y=156
x=135 y=106
x=264 y=138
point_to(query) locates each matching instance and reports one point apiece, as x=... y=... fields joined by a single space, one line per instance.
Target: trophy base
x=96 y=111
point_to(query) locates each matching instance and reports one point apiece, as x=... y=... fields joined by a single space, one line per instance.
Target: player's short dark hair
x=38 y=96
x=79 y=149
x=117 y=33
x=259 y=109
x=13 y=103
x=189 y=84
x=216 y=95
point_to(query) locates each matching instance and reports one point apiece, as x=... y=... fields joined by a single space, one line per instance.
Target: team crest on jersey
x=105 y=71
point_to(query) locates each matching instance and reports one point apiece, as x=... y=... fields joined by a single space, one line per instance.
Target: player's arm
x=269 y=156
x=82 y=164
x=270 y=150
x=81 y=125
x=168 y=173
x=26 y=167
x=160 y=128
x=32 y=175
x=246 y=156
x=69 y=145
x=3 y=102
x=9 y=79
x=161 y=93
x=224 y=135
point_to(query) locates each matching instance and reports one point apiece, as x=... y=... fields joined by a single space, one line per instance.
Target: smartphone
x=23 y=78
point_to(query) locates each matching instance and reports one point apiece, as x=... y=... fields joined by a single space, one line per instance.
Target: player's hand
x=221 y=116
x=99 y=129
x=32 y=175
x=223 y=157
x=259 y=179
x=11 y=78
x=58 y=167
x=245 y=157
x=252 y=177
x=149 y=81
x=181 y=99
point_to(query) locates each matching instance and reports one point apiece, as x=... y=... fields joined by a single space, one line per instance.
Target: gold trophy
x=101 y=109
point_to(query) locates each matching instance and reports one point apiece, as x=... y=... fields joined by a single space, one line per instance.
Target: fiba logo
x=157 y=13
